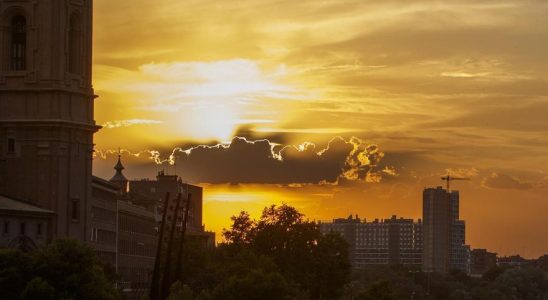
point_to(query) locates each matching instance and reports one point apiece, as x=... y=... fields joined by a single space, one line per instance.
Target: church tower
x=46 y=108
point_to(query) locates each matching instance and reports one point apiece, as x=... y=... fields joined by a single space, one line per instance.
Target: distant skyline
x=340 y=107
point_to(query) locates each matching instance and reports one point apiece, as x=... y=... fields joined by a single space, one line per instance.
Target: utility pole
x=155 y=282
x=166 y=280
x=178 y=266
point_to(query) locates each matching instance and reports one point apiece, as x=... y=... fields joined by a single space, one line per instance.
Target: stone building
x=47 y=189
x=103 y=219
x=22 y=225
x=46 y=110
x=136 y=237
x=137 y=241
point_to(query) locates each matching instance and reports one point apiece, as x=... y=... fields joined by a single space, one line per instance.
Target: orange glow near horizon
x=223 y=201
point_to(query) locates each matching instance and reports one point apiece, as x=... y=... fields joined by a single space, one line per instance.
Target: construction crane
x=448 y=178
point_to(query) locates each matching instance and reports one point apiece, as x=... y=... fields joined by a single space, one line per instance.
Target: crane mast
x=448 y=178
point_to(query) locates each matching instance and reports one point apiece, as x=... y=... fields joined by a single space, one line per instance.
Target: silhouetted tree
x=279 y=256
x=331 y=267
x=38 y=289
x=179 y=291
x=379 y=290
x=241 y=230
x=65 y=269
x=254 y=285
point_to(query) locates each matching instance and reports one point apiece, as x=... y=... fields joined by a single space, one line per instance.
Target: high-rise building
x=436 y=230
x=390 y=241
x=460 y=252
x=443 y=233
x=46 y=110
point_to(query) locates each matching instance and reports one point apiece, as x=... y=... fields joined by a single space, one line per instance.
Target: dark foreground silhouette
x=279 y=256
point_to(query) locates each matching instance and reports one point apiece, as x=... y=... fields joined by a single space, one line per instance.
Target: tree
x=38 y=289
x=316 y=264
x=283 y=235
x=179 y=291
x=380 y=290
x=15 y=272
x=64 y=269
x=331 y=267
x=255 y=285
x=523 y=283
x=279 y=256
x=241 y=230
x=74 y=271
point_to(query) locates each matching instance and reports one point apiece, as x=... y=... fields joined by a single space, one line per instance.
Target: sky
x=336 y=107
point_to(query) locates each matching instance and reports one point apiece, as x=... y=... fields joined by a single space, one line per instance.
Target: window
x=39 y=229
x=93 y=234
x=18 y=43
x=6 y=227
x=75 y=211
x=23 y=228
x=75 y=45
x=11 y=145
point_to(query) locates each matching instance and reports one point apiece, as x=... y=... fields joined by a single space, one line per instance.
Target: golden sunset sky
x=341 y=107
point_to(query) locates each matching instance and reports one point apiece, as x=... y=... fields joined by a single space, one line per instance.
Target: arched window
x=75 y=45
x=18 y=43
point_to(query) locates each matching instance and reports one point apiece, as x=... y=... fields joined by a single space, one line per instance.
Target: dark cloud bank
x=244 y=161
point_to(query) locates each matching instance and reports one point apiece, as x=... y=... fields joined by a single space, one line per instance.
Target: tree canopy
x=279 y=256
x=65 y=269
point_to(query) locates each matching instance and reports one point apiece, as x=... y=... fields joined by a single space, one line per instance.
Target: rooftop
x=9 y=204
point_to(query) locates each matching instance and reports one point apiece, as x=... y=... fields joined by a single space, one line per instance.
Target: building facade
x=444 y=246
x=24 y=226
x=103 y=219
x=47 y=189
x=156 y=190
x=481 y=261
x=392 y=241
x=137 y=241
x=46 y=109
x=436 y=230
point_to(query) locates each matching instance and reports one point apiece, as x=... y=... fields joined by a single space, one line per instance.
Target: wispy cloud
x=131 y=122
x=464 y=74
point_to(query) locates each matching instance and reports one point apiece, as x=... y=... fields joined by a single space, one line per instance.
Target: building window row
x=136 y=224
x=103 y=236
x=103 y=214
x=133 y=247
x=22 y=229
